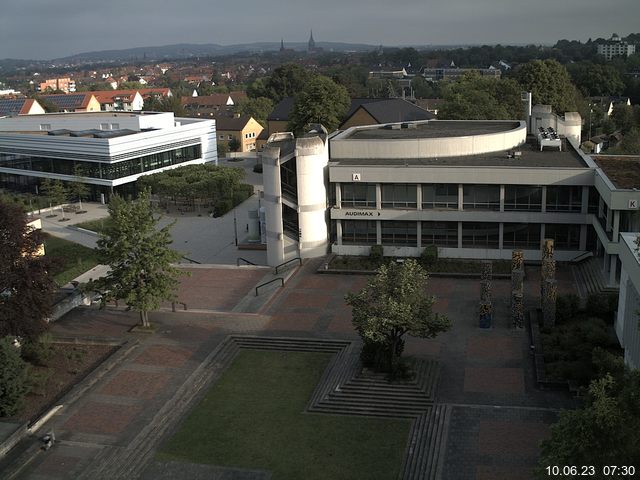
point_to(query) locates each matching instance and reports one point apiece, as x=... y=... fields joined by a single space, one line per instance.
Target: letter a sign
x=355 y=177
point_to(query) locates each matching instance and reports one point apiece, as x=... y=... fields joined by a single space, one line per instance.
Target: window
x=359 y=232
x=481 y=197
x=399 y=195
x=440 y=195
x=399 y=233
x=480 y=235
x=564 y=199
x=522 y=198
x=521 y=235
x=442 y=234
x=104 y=126
x=229 y=137
x=566 y=237
x=115 y=126
x=594 y=200
x=45 y=126
x=358 y=195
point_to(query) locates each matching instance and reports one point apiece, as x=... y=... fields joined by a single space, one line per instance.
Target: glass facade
x=440 y=196
x=566 y=237
x=480 y=235
x=399 y=195
x=521 y=235
x=289 y=179
x=103 y=170
x=564 y=199
x=442 y=234
x=359 y=195
x=359 y=232
x=481 y=197
x=400 y=233
x=522 y=198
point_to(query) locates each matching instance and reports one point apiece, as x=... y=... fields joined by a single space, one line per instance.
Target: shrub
x=376 y=253
x=605 y=362
x=603 y=305
x=429 y=256
x=221 y=207
x=38 y=352
x=13 y=378
x=567 y=307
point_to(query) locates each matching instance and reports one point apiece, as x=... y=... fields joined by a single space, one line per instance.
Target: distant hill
x=187 y=50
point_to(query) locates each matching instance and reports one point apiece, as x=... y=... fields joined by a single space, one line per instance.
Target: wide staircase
x=590 y=278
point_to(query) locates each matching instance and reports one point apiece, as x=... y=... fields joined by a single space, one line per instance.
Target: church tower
x=282 y=44
x=311 y=47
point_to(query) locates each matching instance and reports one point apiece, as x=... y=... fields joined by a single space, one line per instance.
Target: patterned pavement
x=498 y=416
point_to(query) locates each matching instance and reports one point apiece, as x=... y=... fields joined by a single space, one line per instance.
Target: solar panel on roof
x=11 y=106
x=66 y=101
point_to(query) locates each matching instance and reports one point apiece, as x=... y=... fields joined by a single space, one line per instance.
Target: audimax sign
x=360 y=213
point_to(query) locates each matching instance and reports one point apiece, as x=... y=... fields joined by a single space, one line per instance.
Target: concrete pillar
x=501 y=203
x=419 y=198
x=616 y=225
x=501 y=232
x=625 y=285
x=459 y=234
x=583 y=237
x=272 y=204
x=339 y=232
x=378 y=232
x=419 y=233
x=338 y=195
x=613 y=270
x=585 y=200
x=544 y=200
x=378 y=196
x=542 y=234
x=460 y=196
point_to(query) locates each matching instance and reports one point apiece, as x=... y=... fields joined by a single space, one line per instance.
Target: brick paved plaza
x=497 y=417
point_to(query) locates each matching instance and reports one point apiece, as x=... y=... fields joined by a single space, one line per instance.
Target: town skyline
x=37 y=30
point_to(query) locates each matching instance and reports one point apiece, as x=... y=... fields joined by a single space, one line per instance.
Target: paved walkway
x=498 y=417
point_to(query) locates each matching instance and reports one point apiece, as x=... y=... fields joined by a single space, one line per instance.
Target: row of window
x=474 y=234
x=104 y=170
x=445 y=196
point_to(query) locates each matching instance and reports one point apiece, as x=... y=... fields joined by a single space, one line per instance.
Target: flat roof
x=433 y=129
x=531 y=157
x=623 y=171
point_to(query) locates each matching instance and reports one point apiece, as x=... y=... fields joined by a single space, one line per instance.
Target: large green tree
x=26 y=289
x=550 y=84
x=395 y=302
x=321 y=101
x=606 y=431
x=13 y=378
x=473 y=97
x=139 y=257
x=286 y=81
x=595 y=79
x=258 y=108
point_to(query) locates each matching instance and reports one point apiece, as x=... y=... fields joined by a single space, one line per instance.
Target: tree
x=56 y=191
x=473 y=97
x=606 y=431
x=321 y=101
x=78 y=188
x=286 y=81
x=13 y=378
x=234 y=144
x=258 y=108
x=549 y=83
x=139 y=257
x=26 y=289
x=630 y=144
x=622 y=115
x=394 y=303
x=595 y=80
x=157 y=103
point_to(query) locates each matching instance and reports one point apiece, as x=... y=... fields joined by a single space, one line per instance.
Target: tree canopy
x=394 y=303
x=286 y=81
x=13 y=378
x=606 y=431
x=474 y=97
x=139 y=257
x=321 y=101
x=596 y=79
x=549 y=83
x=259 y=108
x=26 y=289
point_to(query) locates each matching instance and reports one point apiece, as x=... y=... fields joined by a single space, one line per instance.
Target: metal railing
x=287 y=262
x=270 y=281
x=244 y=260
x=582 y=256
x=192 y=260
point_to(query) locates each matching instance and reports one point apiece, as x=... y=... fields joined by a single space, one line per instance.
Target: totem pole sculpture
x=486 y=308
x=517 y=289
x=549 y=289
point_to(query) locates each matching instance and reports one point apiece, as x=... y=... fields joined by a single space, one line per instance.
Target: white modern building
x=629 y=300
x=615 y=47
x=110 y=149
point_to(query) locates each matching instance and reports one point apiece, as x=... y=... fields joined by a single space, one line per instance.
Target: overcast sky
x=45 y=29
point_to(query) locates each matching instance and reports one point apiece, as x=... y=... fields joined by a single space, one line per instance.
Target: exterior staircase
x=590 y=279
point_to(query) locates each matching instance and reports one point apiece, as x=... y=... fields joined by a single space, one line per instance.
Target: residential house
x=10 y=107
x=378 y=111
x=119 y=100
x=243 y=128
x=66 y=85
x=74 y=102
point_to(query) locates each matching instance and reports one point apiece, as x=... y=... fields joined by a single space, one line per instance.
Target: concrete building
x=616 y=47
x=111 y=149
x=245 y=129
x=66 y=85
